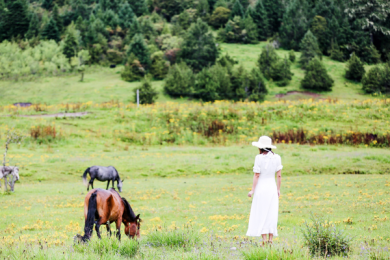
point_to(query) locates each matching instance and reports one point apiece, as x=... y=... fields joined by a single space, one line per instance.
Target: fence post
x=137 y=97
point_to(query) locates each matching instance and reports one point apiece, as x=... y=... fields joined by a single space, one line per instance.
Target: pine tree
x=50 y=31
x=319 y=28
x=17 y=19
x=373 y=80
x=282 y=72
x=57 y=18
x=33 y=29
x=267 y=60
x=134 y=29
x=203 y=9
x=213 y=84
x=47 y=4
x=239 y=83
x=256 y=86
x=355 y=68
x=198 y=47
x=70 y=46
x=159 y=67
x=309 y=49
x=126 y=15
x=316 y=77
x=259 y=16
x=274 y=10
x=179 y=81
x=147 y=94
x=335 y=52
x=237 y=9
x=133 y=69
x=370 y=15
x=291 y=55
x=295 y=24
x=251 y=35
x=139 y=48
x=139 y=6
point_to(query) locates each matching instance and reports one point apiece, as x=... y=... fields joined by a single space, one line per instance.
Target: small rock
x=233 y=248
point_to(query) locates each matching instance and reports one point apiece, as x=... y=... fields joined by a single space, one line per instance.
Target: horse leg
x=91 y=182
x=112 y=184
x=108 y=229
x=97 y=227
x=5 y=183
x=118 y=228
x=108 y=183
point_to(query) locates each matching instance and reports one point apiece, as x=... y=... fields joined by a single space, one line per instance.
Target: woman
x=263 y=219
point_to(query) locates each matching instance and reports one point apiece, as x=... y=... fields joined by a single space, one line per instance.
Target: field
x=187 y=166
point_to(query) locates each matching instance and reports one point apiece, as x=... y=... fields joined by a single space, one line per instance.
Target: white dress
x=265 y=204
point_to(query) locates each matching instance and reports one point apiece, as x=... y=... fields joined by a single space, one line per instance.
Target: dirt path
x=78 y=114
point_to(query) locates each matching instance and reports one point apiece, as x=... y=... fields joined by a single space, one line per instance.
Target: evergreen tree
x=50 y=31
x=70 y=46
x=355 y=68
x=198 y=47
x=147 y=94
x=159 y=67
x=291 y=55
x=179 y=80
x=125 y=15
x=259 y=16
x=33 y=29
x=373 y=80
x=139 y=7
x=133 y=69
x=267 y=60
x=256 y=86
x=239 y=83
x=213 y=84
x=274 y=10
x=237 y=9
x=316 y=77
x=202 y=9
x=335 y=52
x=319 y=28
x=139 y=48
x=250 y=28
x=309 y=49
x=295 y=24
x=370 y=15
x=169 y=8
x=282 y=72
x=57 y=18
x=134 y=29
x=17 y=20
x=47 y=4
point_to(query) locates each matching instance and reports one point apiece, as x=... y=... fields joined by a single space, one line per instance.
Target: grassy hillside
x=104 y=84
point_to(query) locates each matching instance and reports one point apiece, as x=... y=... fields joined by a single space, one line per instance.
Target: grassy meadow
x=187 y=166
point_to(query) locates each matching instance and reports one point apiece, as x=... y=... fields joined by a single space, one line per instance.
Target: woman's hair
x=265 y=151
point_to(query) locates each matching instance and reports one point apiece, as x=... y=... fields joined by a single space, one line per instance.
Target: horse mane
x=129 y=209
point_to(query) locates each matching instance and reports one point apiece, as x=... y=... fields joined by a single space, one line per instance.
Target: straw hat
x=264 y=142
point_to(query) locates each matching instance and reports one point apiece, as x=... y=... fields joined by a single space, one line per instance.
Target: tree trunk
x=82 y=76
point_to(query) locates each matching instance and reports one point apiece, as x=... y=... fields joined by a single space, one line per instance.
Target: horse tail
x=85 y=176
x=90 y=220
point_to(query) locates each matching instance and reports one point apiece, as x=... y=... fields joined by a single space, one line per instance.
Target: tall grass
x=275 y=253
x=186 y=238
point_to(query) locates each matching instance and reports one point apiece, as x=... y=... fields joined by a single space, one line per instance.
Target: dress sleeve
x=256 y=167
x=279 y=163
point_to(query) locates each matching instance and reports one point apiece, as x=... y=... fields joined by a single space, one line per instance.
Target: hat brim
x=257 y=144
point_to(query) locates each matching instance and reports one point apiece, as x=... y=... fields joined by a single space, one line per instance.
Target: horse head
x=120 y=184
x=132 y=228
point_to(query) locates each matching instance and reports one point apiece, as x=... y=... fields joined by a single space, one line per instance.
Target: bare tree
x=12 y=137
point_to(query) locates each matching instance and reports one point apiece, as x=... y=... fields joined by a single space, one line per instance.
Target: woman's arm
x=255 y=180
x=279 y=175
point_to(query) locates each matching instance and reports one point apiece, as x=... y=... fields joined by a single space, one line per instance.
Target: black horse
x=102 y=173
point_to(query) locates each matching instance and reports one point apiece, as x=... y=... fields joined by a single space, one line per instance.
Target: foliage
x=372 y=56
x=133 y=69
x=51 y=32
x=47 y=4
x=282 y=72
x=185 y=238
x=219 y=17
x=319 y=28
x=309 y=49
x=125 y=15
x=139 y=48
x=267 y=60
x=159 y=67
x=198 y=47
x=335 y=52
x=377 y=80
x=179 y=80
x=168 y=8
x=274 y=10
x=14 y=20
x=70 y=46
x=291 y=55
x=355 y=68
x=325 y=239
x=33 y=28
x=237 y=9
x=260 y=18
x=239 y=29
x=147 y=94
x=138 y=6
x=316 y=77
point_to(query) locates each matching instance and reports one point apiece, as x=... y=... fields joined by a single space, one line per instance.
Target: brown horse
x=102 y=207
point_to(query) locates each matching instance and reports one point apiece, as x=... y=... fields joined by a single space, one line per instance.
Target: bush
x=309 y=49
x=159 y=67
x=325 y=239
x=377 y=80
x=219 y=17
x=267 y=59
x=335 y=52
x=355 y=68
x=147 y=94
x=291 y=56
x=179 y=80
x=316 y=77
x=371 y=55
x=133 y=70
x=282 y=72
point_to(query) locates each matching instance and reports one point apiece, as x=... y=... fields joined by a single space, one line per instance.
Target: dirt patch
x=305 y=93
x=21 y=104
x=78 y=114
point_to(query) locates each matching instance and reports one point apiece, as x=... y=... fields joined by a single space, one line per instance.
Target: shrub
x=371 y=54
x=335 y=52
x=355 y=68
x=179 y=80
x=159 y=67
x=309 y=49
x=186 y=238
x=139 y=48
x=377 y=80
x=325 y=239
x=219 y=17
x=282 y=72
x=147 y=94
x=316 y=77
x=291 y=56
x=267 y=60
x=133 y=70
